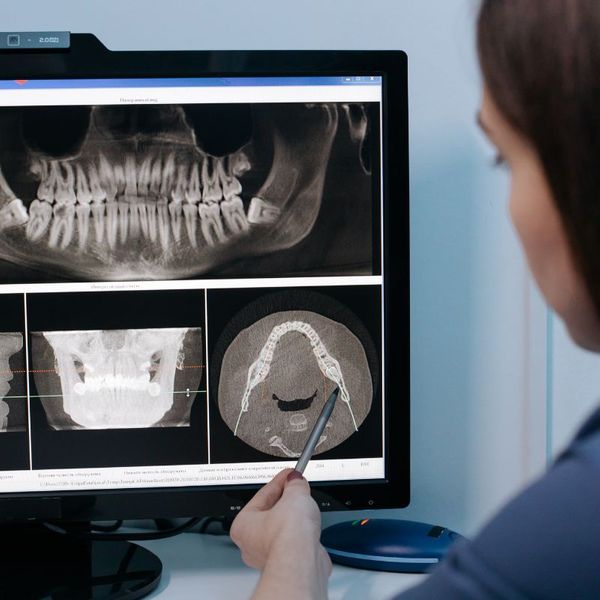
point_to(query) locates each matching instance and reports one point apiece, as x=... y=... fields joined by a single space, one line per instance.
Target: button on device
x=370 y=502
x=13 y=39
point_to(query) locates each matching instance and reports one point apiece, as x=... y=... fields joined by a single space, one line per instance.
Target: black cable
x=224 y=521
x=124 y=537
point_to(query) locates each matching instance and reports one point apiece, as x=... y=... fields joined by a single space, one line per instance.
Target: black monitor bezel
x=89 y=58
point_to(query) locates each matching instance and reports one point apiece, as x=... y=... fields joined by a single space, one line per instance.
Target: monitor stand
x=38 y=563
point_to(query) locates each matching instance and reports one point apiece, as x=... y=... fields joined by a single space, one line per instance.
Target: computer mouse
x=388 y=544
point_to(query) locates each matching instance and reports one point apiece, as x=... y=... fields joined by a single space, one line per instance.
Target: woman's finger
x=297 y=485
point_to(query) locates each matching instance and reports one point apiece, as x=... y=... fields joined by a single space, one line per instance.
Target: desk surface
x=206 y=566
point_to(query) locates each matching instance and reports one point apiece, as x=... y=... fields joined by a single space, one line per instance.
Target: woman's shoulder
x=586 y=442
x=545 y=543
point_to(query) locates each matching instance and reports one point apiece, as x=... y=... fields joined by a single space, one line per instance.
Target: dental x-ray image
x=279 y=366
x=117 y=379
x=180 y=191
x=14 y=441
x=13 y=403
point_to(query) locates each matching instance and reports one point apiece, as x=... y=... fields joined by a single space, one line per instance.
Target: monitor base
x=38 y=563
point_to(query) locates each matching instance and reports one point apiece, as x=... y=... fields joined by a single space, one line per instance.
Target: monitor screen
x=189 y=266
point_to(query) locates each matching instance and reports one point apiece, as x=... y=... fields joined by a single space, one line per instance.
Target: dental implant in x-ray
x=278 y=373
x=116 y=379
x=12 y=410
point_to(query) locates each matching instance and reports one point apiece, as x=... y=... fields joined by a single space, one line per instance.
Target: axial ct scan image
x=117 y=379
x=178 y=191
x=278 y=373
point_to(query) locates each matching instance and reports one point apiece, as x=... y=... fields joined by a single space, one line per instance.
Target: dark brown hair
x=541 y=64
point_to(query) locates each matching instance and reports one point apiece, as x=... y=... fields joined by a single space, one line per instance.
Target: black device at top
x=196 y=247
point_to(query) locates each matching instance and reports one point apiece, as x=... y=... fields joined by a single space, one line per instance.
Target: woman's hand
x=278 y=532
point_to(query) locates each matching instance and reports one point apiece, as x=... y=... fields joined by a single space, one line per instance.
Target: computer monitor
x=196 y=249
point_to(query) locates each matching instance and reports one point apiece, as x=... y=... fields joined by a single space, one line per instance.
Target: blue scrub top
x=544 y=544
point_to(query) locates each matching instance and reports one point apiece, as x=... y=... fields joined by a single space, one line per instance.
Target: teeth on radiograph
x=143 y=217
x=155 y=178
x=123 y=221
x=130 y=176
x=230 y=185
x=99 y=219
x=112 y=223
x=193 y=193
x=211 y=225
x=233 y=213
x=178 y=192
x=176 y=211
x=107 y=178
x=238 y=164
x=134 y=217
x=61 y=230
x=40 y=215
x=144 y=176
x=262 y=212
x=151 y=199
x=105 y=375
x=96 y=189
x=13 y=214
x=39 y=167
x=119 y=174
x=65 y=185
x=190 y=212
x=84 y=194
x=47 y=185
x=163 y=224
x=151 y=220
x=83 y=223
x=168 y=176
x=260 y=368
x=211 y=189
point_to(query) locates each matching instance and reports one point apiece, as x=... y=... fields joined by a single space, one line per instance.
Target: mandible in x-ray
x=115 y=379
x=278 y=373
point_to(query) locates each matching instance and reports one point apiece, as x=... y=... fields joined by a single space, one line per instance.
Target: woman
x=541 y=109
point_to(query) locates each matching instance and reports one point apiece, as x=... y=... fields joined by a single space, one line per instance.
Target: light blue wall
x=468 y=284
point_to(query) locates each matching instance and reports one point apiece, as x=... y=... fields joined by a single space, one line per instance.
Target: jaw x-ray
x=277 y=374
x=13 y=413
x=117 y=379
x=177 y=191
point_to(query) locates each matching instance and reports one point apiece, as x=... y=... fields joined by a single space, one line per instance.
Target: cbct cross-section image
x=280 y=358
x=179 y=191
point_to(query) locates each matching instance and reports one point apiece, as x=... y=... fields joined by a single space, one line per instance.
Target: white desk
x=205 y=566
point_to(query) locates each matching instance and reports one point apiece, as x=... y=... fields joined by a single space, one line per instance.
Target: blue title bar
x=189 y=82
